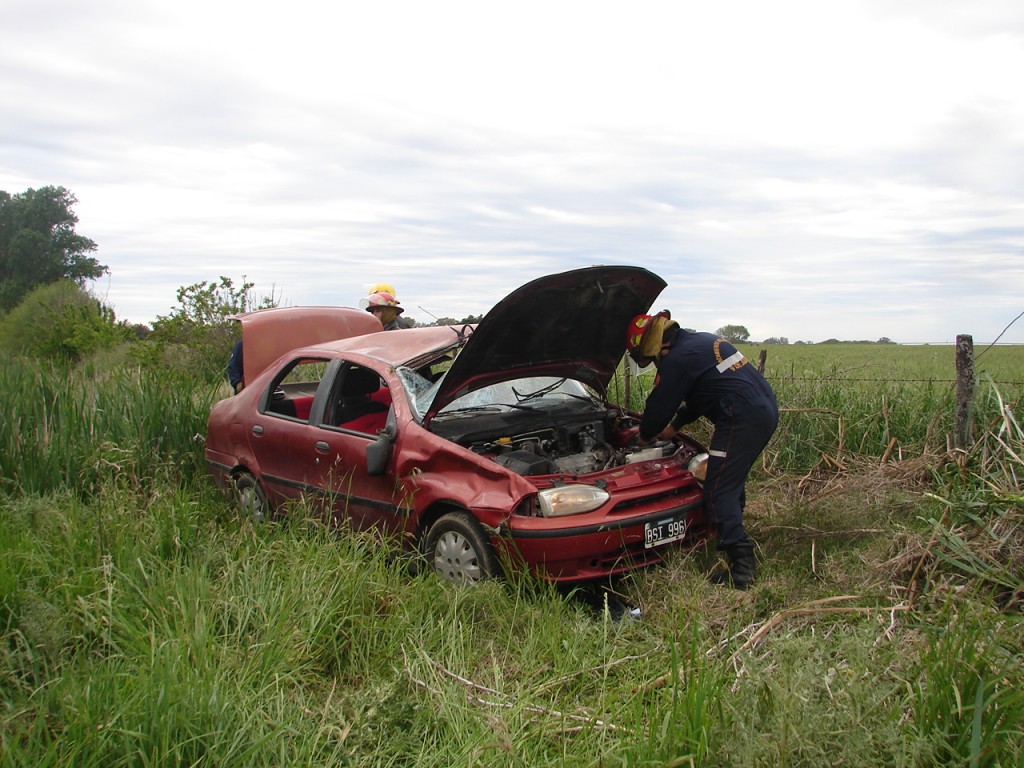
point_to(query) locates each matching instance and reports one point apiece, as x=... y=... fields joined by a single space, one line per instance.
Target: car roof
x=398 y=347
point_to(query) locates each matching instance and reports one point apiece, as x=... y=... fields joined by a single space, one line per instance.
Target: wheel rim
x=456 y=559
x=252 y=503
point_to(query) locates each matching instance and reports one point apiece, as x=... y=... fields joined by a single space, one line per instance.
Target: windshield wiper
x=489 y=407
x=539 y=393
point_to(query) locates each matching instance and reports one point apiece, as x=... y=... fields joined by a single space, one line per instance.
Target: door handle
x=322 y=447
x=257 y=429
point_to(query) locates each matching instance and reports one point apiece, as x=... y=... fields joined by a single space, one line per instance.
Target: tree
x=734 y=333
x=469 y=320
x=39 y=245
x=199 y=333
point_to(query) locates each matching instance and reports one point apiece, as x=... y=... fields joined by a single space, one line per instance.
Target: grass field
x=870 y=399
x=145 y=624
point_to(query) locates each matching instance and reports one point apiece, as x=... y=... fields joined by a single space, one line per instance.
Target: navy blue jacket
x=699 y=372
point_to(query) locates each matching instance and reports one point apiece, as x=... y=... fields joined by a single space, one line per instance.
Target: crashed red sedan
x=481 y=448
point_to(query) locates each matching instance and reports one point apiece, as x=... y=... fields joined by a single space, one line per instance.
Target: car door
x=356 y=407
x=282 y=438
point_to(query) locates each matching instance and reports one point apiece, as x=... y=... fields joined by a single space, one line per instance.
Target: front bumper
x=597 y=549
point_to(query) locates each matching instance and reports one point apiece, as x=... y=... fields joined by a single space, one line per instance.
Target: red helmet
x=635 y=335
x=639 y=327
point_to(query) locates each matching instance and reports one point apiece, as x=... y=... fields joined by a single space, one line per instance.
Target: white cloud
x=811 y=170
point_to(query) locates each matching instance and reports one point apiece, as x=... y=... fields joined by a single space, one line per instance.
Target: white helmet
x=381 y=299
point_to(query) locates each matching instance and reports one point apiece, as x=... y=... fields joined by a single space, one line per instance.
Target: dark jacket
x=235 y=364
x=398 y=323
x=699 y=373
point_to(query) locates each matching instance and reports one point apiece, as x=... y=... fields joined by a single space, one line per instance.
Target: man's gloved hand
x=668 y=432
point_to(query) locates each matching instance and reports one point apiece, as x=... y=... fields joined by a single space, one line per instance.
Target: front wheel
x=249 y=498
x=458 y=549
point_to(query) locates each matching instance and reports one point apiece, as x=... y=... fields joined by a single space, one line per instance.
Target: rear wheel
x=458 y=549
x=249 y=498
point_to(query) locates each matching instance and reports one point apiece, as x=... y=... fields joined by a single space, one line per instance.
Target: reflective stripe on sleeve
x=729 y=362
x=717 y=454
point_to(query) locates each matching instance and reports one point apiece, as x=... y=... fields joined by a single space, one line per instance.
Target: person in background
x=235 y=377
x=700 y=374
x=384 y=305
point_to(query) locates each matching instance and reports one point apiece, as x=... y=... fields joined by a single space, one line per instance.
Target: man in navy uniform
x=700 y=374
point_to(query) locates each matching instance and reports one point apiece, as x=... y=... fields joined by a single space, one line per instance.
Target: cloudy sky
x=849 y=169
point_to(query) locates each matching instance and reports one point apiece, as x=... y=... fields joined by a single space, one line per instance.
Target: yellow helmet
x=382 y=288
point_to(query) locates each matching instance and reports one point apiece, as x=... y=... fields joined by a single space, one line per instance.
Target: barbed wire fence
x=952 y=423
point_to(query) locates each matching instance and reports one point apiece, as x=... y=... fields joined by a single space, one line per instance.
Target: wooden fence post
x=760 y=360
x=965 y=383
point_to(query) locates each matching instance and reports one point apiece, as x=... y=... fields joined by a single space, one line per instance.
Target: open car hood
x=571 y=324
x=269 y=333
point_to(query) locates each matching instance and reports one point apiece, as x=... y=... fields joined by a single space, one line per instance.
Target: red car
x=482 y=448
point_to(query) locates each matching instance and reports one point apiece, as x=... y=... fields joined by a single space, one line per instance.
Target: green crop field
x=146 y=624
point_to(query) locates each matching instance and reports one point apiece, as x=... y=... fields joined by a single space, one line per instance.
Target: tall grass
x=145 y=624
x=79 y=427
x=291 y=645
x=965 y=707
x=191 y=638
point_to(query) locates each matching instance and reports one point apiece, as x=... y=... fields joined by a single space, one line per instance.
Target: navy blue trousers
x=741 y=433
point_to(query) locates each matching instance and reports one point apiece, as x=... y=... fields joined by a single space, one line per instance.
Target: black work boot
x=742 y=567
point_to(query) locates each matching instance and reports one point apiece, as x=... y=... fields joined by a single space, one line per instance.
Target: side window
x=293 y=390
x=360 y=401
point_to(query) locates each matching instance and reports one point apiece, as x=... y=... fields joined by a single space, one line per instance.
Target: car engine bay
x=569 y=446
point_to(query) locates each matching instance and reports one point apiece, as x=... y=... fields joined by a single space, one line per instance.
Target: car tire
x=250 y=499
x=458 y=550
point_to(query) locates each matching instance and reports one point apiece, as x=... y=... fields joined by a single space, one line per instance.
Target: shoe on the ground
x=742 y=568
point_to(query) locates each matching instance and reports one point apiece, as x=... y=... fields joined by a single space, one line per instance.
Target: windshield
x=528 y=393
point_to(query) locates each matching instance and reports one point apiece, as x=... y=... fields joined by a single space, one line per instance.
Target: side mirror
x=379 y=451
x=391 y=425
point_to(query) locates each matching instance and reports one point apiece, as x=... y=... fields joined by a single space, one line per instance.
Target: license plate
x=663 y=532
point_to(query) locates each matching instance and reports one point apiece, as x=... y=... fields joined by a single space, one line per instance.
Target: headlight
x=698 y=466
x=570 y=500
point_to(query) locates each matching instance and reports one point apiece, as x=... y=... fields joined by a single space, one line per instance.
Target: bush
x=198 y=334
x=61 y=321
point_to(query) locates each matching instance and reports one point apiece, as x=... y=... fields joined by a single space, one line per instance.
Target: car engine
x=570 y=449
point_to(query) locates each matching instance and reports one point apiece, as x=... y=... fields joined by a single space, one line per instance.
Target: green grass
x=145 y=624
x=86 y=427
x=192 y=638
x=867 y=399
